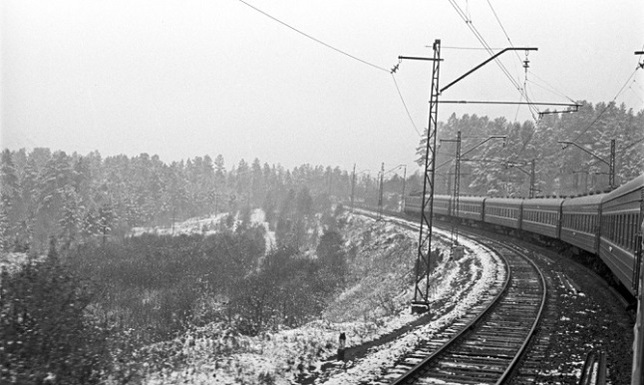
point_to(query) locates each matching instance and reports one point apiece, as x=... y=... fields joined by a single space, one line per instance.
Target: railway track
x=488 y=348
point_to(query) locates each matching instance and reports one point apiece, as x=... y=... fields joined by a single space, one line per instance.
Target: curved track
x=489 y=348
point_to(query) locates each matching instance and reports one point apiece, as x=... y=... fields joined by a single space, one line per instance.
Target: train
x=606 y=224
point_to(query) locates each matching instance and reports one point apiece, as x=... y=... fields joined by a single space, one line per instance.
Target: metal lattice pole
x=457 y=189
x=611 y=165
x=420 y=303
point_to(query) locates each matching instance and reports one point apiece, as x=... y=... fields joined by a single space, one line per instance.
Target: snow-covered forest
x=502 y=167
x=80 y=198
x=129 y=269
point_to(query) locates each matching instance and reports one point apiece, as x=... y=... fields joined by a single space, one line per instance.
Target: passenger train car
x=607 y=225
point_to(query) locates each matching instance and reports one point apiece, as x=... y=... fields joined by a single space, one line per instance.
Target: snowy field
x=374 y=304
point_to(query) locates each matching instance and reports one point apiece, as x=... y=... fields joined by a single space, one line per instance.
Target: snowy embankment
x=207 y=226
x=375 y=303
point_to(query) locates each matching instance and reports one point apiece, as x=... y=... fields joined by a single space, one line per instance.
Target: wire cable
x=550 y=88
x=605 y=108
x=503 y=28
x=313 y=38
x=534 y=111
x=487 y=47
x=341 y=52
x=405 y=105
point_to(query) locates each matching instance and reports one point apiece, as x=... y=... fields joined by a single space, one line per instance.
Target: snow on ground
x=190 y=226
x=214 y=357
x=371 y=366
x=207 y=226
x=259 y=217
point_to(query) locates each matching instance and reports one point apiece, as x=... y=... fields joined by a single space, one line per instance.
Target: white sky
x=187 y=78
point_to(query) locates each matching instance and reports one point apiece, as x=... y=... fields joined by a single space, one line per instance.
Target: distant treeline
x=79 y=198
x=503 y=167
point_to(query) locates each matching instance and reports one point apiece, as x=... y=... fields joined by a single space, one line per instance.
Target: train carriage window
x=624 y=226
x=624 y=229
x=627 y=231
x=632 y=231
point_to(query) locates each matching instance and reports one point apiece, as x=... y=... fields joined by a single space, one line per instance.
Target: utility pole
x=638 y=343
x=420 y=303
x=611 y=166
x=532 y=191
x=610 y=163
x=532 y=174
x=456 y=192
x=402 y=197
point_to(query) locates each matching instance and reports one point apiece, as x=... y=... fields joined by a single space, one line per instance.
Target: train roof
x=626 y=188
x=471 y=199
x=510 y=201
x=539 y=203
x=585 y=200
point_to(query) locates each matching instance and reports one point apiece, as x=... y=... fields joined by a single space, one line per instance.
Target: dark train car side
x=620 y=241
x=580 y=222
x=505 y=212
x=542 y=216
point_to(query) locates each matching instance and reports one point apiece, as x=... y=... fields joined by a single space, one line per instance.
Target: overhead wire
x=605 y=107
x=405 y=105
x=339 y=51
x=313 y=38
x=503 y=28
x=533 y=109
x=550 y=88
x=481 y=39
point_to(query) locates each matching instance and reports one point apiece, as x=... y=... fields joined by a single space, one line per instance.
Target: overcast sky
x=187 y=78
